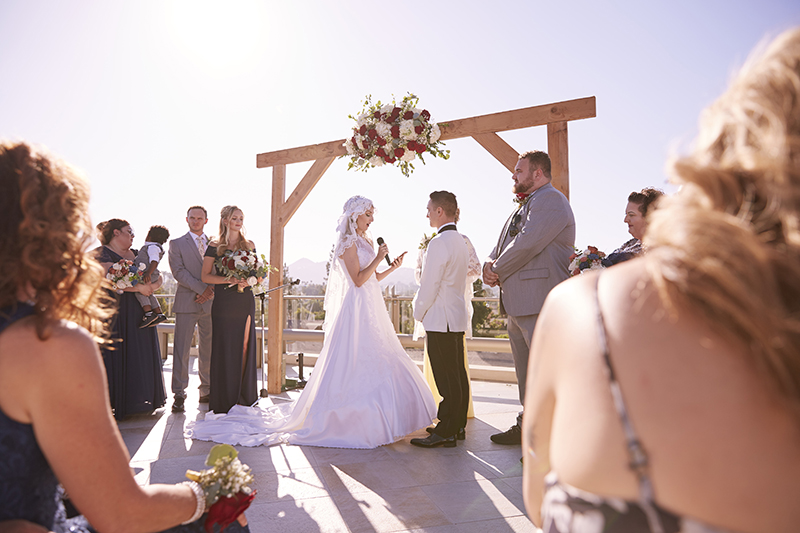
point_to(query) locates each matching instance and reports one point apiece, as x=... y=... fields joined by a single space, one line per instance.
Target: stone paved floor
x=474 y=488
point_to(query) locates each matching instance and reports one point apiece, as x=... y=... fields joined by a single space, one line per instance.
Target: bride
x=364 y=391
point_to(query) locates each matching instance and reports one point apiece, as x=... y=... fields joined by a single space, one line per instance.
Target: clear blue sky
x=165 y=104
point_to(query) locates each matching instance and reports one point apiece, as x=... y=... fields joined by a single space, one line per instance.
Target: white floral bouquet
x=243 y=265
x=393 y=134
x=124 y=274
x=589 y=259
x=226 y=486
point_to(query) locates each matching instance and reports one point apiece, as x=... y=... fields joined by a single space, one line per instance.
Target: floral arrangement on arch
x=589 y=259
x=395 y=134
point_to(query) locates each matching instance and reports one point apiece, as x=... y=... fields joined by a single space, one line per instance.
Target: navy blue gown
x=233 y=380
x=29 y=489
x=133 y=360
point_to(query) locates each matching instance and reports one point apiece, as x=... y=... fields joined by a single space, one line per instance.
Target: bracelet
x=200 y=495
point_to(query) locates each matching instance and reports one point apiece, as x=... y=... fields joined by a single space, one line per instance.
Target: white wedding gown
x=364 y=391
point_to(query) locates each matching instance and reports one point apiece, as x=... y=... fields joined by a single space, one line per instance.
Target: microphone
x=388 y=261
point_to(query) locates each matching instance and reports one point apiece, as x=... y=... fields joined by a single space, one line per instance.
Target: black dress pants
x=446 y=353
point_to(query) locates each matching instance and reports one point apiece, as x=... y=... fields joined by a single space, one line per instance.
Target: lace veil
x=338 y=279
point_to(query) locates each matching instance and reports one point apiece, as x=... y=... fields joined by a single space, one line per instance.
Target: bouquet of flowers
x=589 y=259
x=423 y=244
x=393 y=133
x=226 y=486
x=243 y=265
x=124 y=274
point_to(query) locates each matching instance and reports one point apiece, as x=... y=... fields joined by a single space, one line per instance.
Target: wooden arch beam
x=483 y=129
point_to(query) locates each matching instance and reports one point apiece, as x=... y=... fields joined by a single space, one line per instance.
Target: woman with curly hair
x=640 y=204
x=132 y=359
x=233 y=329
x=55 y=423
x=666 y=390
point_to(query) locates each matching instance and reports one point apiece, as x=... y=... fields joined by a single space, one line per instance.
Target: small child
x=150 y=255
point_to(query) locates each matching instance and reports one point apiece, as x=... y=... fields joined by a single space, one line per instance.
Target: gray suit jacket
x=186 y=264
x=536 y=259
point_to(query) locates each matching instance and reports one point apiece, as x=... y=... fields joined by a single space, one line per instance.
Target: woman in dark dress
x=54 y=413
x=233 y=337
x=640 y=204
x=133 y=359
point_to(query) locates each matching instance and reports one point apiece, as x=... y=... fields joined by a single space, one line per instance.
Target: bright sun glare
x=220 y=37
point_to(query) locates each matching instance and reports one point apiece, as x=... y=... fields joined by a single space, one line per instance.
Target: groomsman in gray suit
x=192 y=307
x=531 y=257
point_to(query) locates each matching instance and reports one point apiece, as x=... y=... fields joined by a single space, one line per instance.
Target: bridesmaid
x=233 y=337
x=133 y=360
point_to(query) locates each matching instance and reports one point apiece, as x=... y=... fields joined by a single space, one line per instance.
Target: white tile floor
x=473 y=488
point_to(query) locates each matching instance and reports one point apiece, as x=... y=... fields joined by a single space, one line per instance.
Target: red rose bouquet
x=226 y=486
x=393 y=134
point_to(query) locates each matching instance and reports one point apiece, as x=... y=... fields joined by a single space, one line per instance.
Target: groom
x=439 y=304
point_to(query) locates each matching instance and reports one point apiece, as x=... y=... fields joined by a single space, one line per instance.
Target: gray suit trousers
x=184 y=329
x=520 y=333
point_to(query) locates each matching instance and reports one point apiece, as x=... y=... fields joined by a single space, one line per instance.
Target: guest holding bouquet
x=233 y=331
x=132 y=359
x=56 y=428
x=640 y=204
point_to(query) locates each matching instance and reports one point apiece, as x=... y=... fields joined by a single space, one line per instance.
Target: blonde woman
x=56 y=428
x=665 y=392
x=233 y=337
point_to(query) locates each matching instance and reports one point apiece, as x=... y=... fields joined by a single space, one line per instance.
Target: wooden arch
x=482 y=128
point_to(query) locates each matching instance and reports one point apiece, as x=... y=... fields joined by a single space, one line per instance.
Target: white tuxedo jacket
x=439 y=303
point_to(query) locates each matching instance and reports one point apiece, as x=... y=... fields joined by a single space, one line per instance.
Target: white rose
x=407 y=130
x=435 y=133
x=142 y=267
x=252 y=280
x=408 y=156
x=362 y=119
x=349 y=147
x=116 y=266
x=109 y=277
x=376 y=161
x=387 y=108
x=120 y=285
x=383 y=129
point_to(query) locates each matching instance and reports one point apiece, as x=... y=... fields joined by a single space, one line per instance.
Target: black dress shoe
x=461 y=435
x=512 y=436
x=177 y=405
x=435 y=440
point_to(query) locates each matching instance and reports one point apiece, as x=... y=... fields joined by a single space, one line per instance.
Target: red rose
x=412 y=145
x=592 y=250
x=381 y=141
x=408 y=115
x=390 y=161
x=363 y=129
x=226 y=509
x=418 y=129
x=377 y=114
x=396 y=132
x=231 y=264
x=420 y=148
x=353 y=140
x=380 y=153
x=398 y=152
x=372 y=133
x=425 y=114
x=396 y=112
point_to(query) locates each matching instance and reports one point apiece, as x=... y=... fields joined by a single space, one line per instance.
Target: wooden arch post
x=482 y=128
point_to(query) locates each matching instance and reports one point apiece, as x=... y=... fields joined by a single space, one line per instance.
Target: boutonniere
x=521 y=198
x=423 y=244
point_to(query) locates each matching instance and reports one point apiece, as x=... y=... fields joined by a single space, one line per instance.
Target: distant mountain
x=307 y=270
x=310 y=272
